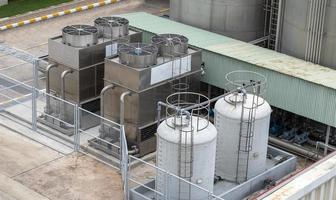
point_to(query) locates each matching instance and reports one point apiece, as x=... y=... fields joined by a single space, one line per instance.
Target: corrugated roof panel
x=236 y=49
x=298 y=88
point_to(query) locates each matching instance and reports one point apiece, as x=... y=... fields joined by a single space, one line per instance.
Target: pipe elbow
x=123 y=95
x=106 y=88
x=64 y=73
x=49 y=67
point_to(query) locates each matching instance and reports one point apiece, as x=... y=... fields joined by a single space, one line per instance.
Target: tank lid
x=227 y=107
x=199 y=137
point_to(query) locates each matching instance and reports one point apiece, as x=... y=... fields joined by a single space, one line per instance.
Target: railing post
x=34 y=94
x=76 y=128
x=210 y=195
x=124 y=161
x=34 y=114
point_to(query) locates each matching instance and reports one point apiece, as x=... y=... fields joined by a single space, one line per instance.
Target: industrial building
x=215 y=100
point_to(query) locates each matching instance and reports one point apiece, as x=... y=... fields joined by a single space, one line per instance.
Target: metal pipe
x=280 y=5
x=63 y=75
x=270 y=20
x=313 y=49
x=122 y=106
x=309 y=32
x=259 y=40
x=102 y=109
x=323 y=145
x=295 y=149
x=322 y=30
x=327 y=141
x=318 y=30
x=49 y=67
x=134 y=150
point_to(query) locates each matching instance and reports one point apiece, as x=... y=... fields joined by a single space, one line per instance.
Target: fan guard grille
x=111 y=21
x=80 y=30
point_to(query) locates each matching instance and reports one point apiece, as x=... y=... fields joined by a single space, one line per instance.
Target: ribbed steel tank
x=186 y=147
x=239 y=19
x=228 y=115
x=296 y=26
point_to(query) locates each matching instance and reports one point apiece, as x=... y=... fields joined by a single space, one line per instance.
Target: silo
x=186 y=147
x=309 y=30
x=239 y=19
x=241 y=155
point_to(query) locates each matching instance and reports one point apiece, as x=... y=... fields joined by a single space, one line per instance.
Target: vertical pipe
x=122 y=106
x=313 y=49
x=63 y=75
x=279 y=22
x=322 y=30
x=270 y=22
x=327 y=141
x=309 y=31
x=49 y=67
x=102 y=109
x=265 y=21
x=318 y=30
x=158 y=114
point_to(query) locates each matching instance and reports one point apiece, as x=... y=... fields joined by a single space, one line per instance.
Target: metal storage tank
x=228 y=121
x=187 y=154
x=239 y=19
x=309 y=30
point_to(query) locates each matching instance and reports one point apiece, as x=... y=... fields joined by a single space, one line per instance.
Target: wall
x=3 y=2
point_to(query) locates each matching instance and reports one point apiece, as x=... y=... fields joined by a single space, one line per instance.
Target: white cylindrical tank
x=295 y=29
x=202 y=163
x=228 y=122
x=239 y=19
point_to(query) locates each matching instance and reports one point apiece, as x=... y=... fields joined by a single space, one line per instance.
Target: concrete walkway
x=13 y=190
x=31 y=171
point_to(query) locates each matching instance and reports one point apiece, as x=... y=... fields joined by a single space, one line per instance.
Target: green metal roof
x=294 y=85
x=236 y=49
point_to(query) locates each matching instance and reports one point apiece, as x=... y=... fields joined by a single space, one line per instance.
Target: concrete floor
x=29 y=170
x=74 y=177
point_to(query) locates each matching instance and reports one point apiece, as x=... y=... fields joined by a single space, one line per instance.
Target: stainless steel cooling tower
x=77 y=75
x=146 y=77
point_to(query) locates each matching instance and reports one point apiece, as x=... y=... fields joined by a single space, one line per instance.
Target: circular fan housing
x=80 y=35
x=171 y=44
x=112 y=27
x=138 y=55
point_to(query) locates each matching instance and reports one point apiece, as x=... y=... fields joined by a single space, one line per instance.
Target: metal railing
x=24 y=98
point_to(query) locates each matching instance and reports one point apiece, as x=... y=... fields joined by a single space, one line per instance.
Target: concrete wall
x=3 y=2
